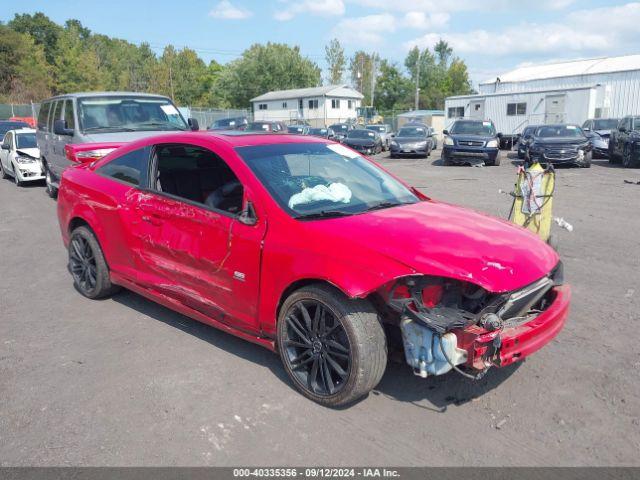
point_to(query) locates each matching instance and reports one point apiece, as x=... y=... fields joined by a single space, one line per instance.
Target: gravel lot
x=124 y=381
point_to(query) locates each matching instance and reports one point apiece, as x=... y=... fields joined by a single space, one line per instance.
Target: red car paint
x=185 y=257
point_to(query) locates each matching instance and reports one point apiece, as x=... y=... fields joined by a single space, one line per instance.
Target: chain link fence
x=9 y=110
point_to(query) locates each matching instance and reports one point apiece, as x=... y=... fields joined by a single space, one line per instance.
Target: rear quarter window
x=130 y=168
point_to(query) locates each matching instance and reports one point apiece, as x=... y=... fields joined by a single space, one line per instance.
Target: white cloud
x=438 y=6
x=314 y=7
x=426 y=21
x=593 y=31
x=367 y=30
x=226 y=10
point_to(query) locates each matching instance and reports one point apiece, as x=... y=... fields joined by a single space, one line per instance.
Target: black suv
x=471 y=142
x=560 y=144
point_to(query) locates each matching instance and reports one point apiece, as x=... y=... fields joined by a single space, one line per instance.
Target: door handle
x=152 y=219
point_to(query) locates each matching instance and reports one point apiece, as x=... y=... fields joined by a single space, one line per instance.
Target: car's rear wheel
x=87 y=265
x=333 y=348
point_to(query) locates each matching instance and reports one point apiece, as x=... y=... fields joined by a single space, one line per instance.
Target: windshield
x=258 y=127
x=636 y=123
x=128 y=114
x=361 y=134
x=473 y=128
x=26 y=140
x=318 y=179
x=318 y=131
x=559 y=131
x=339 y=128
x=294 y=129
x=412 y=132
x=377 y=128
x=605 y=124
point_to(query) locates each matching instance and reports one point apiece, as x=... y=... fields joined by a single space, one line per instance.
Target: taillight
x=85 y=156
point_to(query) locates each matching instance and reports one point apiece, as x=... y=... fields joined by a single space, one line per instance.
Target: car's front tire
x=3 y=173
x=16 y=178
x=333 y=348
x=87 y=265
x=627 y=158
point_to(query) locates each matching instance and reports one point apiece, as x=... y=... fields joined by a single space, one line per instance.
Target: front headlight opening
x=448 y=141
x=492 y=144
x=25 y=159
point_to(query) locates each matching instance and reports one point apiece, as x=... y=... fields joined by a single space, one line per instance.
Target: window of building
x=313 y=104
x=335 y=103
x=262 y=106
x=300 y=104
x=455 y=112
x=284 y=104
x=516 y=109
x=130 y=167
x=349 y=104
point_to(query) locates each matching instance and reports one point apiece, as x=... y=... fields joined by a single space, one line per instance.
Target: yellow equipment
x=533 y=199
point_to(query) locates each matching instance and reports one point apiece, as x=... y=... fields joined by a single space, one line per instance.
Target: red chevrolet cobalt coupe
x=305 y=247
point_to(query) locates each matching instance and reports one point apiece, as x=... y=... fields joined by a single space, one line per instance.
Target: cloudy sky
x=492 y=36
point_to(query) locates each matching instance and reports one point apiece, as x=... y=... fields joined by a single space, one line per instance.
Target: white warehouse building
x=568 y=92
x=319 y=106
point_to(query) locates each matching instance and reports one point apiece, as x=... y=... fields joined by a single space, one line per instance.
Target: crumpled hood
x=445 y=240
x=29 y=152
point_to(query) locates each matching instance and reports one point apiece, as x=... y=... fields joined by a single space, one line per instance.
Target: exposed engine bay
x=448 y=324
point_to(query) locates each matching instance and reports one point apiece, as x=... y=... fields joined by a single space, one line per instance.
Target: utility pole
x=418 y=80
x=373 y=77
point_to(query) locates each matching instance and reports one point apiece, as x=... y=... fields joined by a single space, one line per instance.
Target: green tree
x=334 y=55
x=393 y=90
x=360 y=67
x=77 y=64
x=43 y=30
x=262 y=68
x=24 y=73
x=443 y=52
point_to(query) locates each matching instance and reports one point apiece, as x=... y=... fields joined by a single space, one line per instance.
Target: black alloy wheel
x=333 y=347
x=82 y=264
x=317 y=348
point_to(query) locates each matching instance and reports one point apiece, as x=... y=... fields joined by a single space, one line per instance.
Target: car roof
x=106 y=94
x=242 y=139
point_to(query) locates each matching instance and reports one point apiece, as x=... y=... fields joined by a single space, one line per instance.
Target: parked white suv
x=100 y=117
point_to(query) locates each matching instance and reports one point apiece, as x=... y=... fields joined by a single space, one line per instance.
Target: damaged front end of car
x=449 y=324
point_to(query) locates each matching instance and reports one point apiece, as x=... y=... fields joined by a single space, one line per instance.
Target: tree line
x=40 y=58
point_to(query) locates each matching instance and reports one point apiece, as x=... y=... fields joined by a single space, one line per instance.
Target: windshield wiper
x=110 y=129
x=323 y=214
x=382 y=205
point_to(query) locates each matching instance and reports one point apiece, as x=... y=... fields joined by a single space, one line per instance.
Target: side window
x=130 y=168
x=197 y=175
x=68 y=114
x=55 y=115
x=43 y=116
x=7 y=140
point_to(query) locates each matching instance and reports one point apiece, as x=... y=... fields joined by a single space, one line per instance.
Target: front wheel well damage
x=305 y=282
x=78 y=222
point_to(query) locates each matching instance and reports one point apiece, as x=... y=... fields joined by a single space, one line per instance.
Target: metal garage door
x=554 y=109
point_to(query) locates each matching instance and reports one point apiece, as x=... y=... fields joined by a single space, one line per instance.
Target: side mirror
x=499 y=135
x=5 y=147
x=622 y=129
x=393 y=135
x=445 y=132
x=60 y=128
x=193 y=124
x=248 y=215
x=586 y=129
